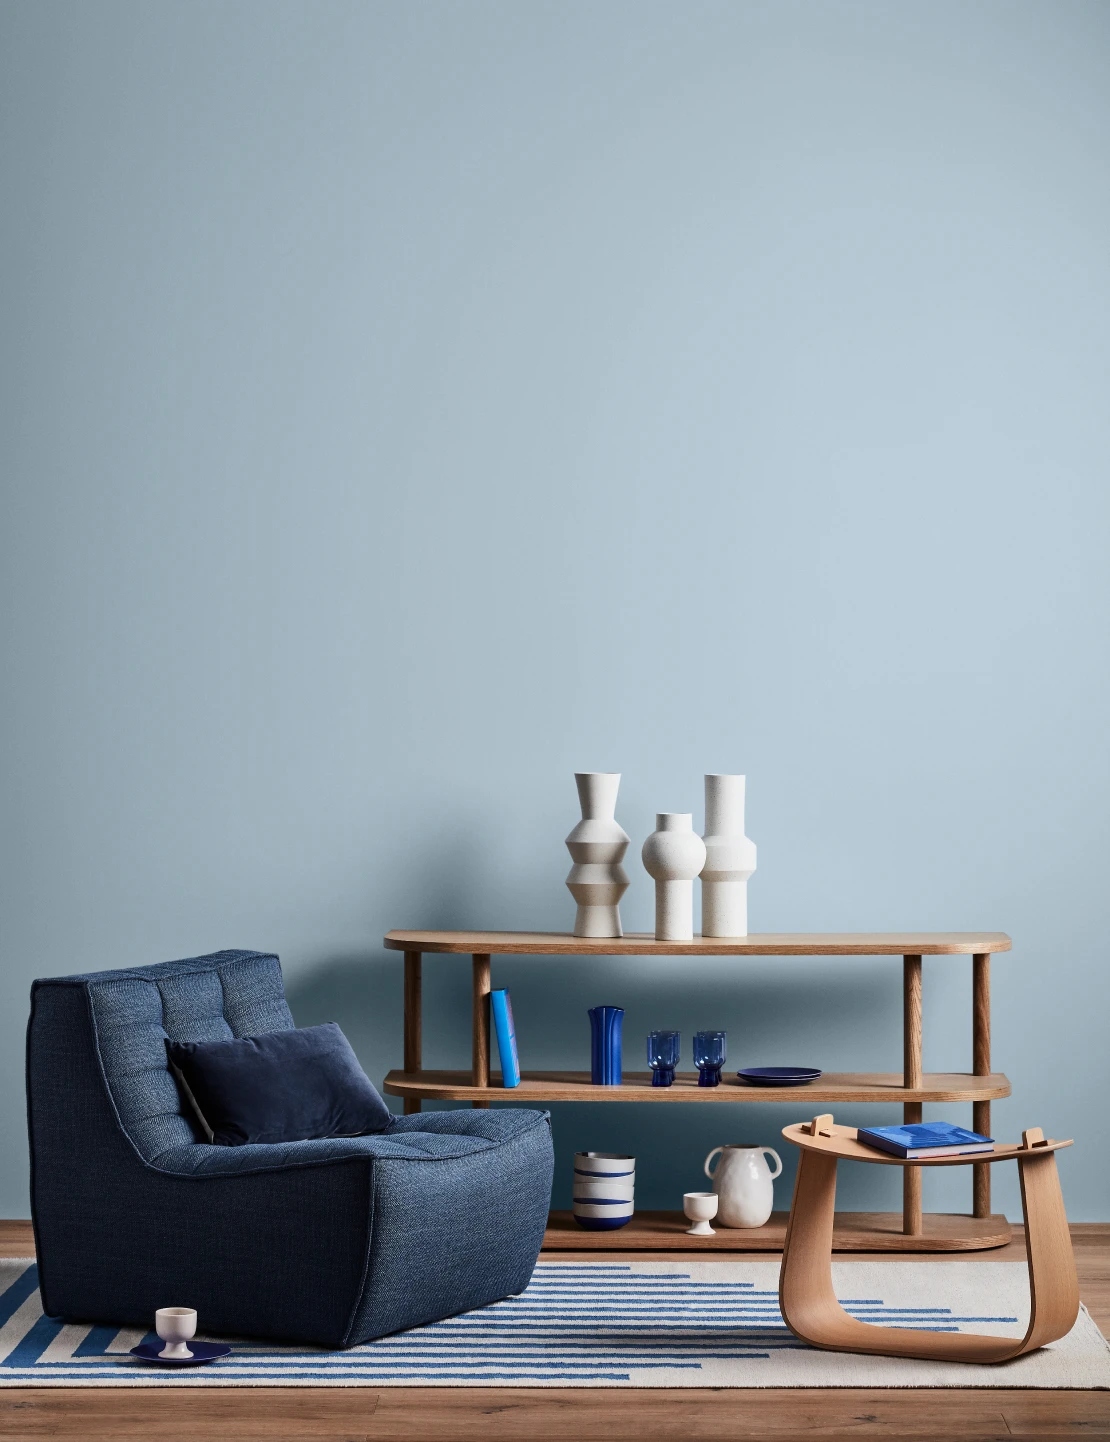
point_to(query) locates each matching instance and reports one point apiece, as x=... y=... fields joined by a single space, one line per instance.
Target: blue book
x=501 y=1010
x=925 y=1139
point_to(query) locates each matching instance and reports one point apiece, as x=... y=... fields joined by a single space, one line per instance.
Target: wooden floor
x=472 y=1414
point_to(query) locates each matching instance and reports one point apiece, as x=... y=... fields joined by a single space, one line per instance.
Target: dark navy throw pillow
x=284 y=1086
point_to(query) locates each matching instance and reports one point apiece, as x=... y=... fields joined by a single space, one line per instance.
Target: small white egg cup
x=701 y=1208
x=175 y=1326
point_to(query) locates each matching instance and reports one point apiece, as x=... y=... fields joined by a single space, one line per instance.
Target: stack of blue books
x=922 y=1140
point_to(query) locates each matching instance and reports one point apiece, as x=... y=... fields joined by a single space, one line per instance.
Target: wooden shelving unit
x=910 y=1088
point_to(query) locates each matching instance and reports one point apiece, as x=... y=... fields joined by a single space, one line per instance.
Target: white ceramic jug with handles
x=742 y=1181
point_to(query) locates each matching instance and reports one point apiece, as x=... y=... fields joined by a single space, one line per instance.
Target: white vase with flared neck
x=729 y=859
x=597 y=880
x=673 y=855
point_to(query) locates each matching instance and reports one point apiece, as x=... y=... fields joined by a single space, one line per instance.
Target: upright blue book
x=501 y=1009
x=925 y=1139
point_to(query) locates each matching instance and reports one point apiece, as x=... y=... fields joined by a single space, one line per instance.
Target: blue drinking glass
x=709 y=1057
x=662 y=1055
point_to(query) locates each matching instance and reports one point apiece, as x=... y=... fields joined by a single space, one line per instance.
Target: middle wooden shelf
x=575 y=1086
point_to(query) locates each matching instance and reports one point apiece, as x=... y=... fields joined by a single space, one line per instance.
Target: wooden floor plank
x=472 y=1414
x=547 y=1415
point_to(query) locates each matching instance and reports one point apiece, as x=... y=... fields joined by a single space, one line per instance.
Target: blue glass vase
x=605 y=1045
x=662 y=1055
x=709 y=1056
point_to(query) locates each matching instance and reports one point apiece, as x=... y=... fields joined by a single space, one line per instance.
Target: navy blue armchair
x=331 y=1242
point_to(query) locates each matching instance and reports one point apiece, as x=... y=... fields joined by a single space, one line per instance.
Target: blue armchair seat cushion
x=428 y=1137
x=283 y=1086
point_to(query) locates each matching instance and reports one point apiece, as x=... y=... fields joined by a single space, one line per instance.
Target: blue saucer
x=202 y=1352
x=779 y=1076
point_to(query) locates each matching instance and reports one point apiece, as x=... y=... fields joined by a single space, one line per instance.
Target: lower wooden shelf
x=853 y=1232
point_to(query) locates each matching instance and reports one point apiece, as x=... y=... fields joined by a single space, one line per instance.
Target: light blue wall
x=408 y=404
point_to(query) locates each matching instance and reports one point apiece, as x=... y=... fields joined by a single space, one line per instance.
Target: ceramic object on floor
x=700 y=1208
x=176 y=1326
x=779 y=1076
x=605 y=1045
x=743 y=1183
x=604 y=1190
x=729 y=859
x=673 y=855
x=597 y=880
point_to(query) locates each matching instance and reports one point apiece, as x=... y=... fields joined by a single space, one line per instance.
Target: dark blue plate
x=779 y=1076
x=202 y=1352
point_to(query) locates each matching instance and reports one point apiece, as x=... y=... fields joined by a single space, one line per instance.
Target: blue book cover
x=925 y=1139
x=501 y=1009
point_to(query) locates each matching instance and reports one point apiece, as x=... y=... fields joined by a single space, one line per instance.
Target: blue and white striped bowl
x=604 y=1187
x=616 y=1189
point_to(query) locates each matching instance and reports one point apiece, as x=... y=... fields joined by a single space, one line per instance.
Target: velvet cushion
x=284 y=1086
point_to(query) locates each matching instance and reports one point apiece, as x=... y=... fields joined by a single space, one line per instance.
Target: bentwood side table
x=806 y=1295
x=909 y=1088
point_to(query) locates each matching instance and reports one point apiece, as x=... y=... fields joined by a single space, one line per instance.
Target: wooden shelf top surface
x=575 y=1086
x=843 y=1143
x=769 y=943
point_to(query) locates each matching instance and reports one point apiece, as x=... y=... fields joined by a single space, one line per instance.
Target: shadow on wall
x=360 y=991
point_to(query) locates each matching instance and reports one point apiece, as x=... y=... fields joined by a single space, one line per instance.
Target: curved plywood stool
x=806 y=1295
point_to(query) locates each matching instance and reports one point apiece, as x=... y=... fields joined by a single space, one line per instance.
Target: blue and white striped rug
x=598 y=1324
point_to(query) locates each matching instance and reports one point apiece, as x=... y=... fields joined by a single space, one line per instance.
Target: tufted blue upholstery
x=228 y=994
x=333 y=1241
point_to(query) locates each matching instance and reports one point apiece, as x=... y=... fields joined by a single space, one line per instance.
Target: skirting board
x=854 y=1232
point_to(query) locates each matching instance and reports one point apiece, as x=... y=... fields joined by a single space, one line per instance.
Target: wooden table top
x=769 y=943
x=843 y=1142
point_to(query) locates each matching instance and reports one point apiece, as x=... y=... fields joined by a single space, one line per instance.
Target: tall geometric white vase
x=673 y=855
x=597 y=880
x=729 y=859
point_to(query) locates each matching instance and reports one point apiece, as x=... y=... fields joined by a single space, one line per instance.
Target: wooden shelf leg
x=413 y=1023
x=981 y=1066
x=911 y=1077
x=479 y=1055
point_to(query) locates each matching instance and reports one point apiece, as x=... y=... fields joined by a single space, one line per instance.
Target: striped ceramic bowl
x=604 y=1186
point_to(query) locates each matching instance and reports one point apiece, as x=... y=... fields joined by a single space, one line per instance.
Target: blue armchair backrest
x=132 y=1012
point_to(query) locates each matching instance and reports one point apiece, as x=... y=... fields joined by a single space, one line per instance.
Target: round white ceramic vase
x=743 y=1183
x=729 y=859
x=673 y=855
x=597 y=880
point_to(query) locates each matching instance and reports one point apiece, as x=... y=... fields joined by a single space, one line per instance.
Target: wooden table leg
x=1053 y=1283
x=911 y=1077
x=413 y=1024
x=981 y=1066
x=479 y=1054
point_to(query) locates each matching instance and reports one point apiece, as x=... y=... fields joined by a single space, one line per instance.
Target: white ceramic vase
x=597 y=880
x=673 y=855
x=743 y=1183
x=729 y=859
